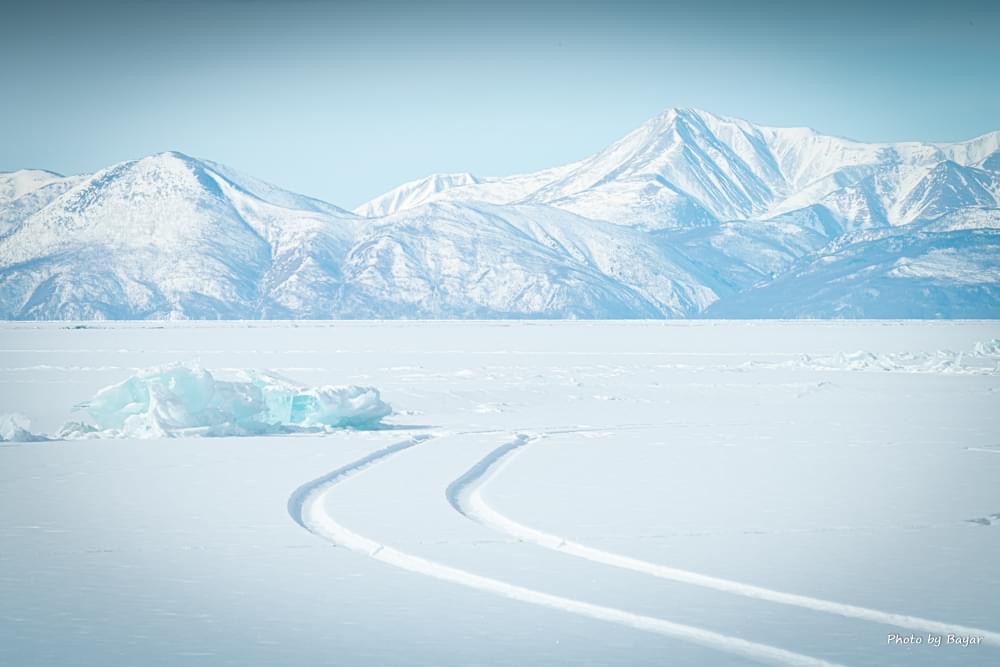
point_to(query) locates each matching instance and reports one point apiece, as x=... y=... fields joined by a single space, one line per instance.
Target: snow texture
x=621 y=494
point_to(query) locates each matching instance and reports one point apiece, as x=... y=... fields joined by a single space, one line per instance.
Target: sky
x=345 y=100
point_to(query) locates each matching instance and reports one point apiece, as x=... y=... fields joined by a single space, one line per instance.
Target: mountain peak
x=16 y=184
x=689 y=120
x=410 y=193
x=685 y=112
x=32 y=172
x=175 y=154
x=170 y=157
x=673 y=115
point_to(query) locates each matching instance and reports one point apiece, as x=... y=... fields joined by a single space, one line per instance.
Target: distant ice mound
x=17 y=428
x=181 y=400
x=989 y=348
x=984 y=359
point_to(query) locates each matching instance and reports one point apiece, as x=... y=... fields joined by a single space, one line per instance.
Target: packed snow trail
x=303 y=495
x=464 y=494
x=306 y=506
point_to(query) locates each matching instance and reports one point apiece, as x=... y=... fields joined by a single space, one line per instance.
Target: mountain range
x=690 y=215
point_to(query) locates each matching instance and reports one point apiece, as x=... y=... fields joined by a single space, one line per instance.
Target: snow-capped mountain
x=413 y=194
x=165 y=236
x=691 y=214
x=170 y=236
x=685 y=168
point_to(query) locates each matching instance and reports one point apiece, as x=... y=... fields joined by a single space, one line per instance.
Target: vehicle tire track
x=306 y=506
x=464 y=494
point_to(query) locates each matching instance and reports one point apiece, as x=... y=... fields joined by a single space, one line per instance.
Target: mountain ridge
x=741 y=190
x=688 y=215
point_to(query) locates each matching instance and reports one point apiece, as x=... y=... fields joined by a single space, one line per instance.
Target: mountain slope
x=483 y=260
x=159 y=237
x=919 y=275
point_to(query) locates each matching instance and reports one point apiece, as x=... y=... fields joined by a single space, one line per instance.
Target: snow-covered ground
x=683 y=493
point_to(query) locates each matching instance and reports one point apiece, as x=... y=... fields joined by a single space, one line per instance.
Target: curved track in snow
x=464 y=494
x=307 y=507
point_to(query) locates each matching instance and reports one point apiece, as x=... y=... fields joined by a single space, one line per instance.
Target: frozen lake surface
x=683 y=493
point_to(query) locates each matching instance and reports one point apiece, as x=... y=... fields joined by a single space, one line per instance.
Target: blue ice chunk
x=182 y=400
x=16 y=427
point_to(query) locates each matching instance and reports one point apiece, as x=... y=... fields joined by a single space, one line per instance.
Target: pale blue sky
x=344 y=100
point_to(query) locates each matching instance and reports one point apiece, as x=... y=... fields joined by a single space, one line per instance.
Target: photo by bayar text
x=948 y=639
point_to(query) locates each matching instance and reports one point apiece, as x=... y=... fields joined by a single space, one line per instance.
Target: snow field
x=628 y=493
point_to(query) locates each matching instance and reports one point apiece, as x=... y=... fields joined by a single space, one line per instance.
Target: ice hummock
x=987 y=348
x=185 y=400
x=15 y=427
